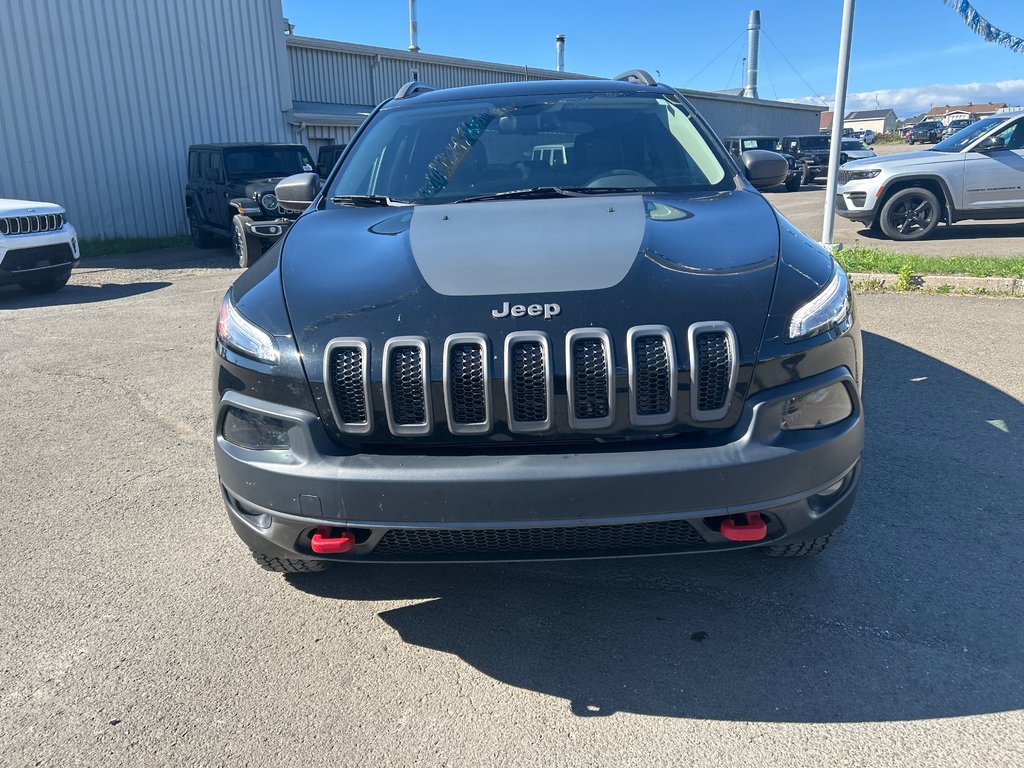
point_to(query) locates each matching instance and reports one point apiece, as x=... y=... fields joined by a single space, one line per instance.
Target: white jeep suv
x=38 y=248
x=977 y=173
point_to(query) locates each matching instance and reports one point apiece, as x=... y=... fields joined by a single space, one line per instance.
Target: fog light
x=820 y=408
x=254 y=431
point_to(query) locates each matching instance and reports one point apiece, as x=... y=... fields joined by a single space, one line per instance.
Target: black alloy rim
x=911 y=213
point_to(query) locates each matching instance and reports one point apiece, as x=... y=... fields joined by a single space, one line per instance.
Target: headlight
x=269 y=201
x=238 y=334
x=829 y=308
x=255 y=431
x=820 y=408
x=856 y=175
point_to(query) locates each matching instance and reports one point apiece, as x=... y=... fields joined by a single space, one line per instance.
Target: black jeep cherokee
x=230 y=192
x=532 y=321
x=811 y=152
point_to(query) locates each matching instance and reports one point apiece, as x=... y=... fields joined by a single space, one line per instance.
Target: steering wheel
x=621 y=177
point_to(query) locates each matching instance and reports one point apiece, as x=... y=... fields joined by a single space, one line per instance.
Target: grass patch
x=128 y=245
x=878 y=260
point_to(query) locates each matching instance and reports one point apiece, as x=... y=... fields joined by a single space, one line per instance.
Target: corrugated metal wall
x=101 y=98
x=733 y=116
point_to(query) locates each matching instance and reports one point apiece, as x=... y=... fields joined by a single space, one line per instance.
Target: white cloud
x=913 y=101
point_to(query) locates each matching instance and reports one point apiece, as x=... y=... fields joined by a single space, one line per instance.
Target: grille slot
x=38 y=222
x=590 y=376
x=664 y=534
x=528 y=381
x=467 y=389
x=652 y=375
x=713 y=351
x=346 y=367
x=407 y=385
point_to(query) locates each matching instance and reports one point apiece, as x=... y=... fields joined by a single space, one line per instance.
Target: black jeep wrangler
x=230 y=193
x=737 y=145
x=811 y=152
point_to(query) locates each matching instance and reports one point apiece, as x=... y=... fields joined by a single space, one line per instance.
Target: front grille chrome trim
x=654 y=419
x=580 y=334
x=699 y=329
x=427 y=425
x=511 y=341
x=353 y=428
x=468 y=428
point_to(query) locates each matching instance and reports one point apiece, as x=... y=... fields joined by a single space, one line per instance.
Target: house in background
x=969 y=111
x=877 y=120
x=825 y=122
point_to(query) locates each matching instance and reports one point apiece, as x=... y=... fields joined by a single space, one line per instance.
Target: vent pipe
x=414 y=32
x=560 y=53
x=753 y=42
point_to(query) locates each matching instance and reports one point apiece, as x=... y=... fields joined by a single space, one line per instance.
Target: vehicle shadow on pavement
x=12 y=297
x=917 y=612
x=186 y=257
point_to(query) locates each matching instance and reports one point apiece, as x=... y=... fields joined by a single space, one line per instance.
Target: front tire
x=200 y=237
x=910 y=214
x=247 y=247
x=48 y=284
x=288 y=565
x=804 y=547
x=793 y=184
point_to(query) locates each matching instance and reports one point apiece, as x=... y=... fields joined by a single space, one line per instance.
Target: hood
x=551 y=265
x=916 y=159
x=27 y=208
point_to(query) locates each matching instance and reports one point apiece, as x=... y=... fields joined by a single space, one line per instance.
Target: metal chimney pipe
x=560 y=53
x=414 y=32
x=753 y=43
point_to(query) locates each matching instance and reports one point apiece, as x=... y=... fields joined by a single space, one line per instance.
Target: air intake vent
x=652 y=375
x=467 y=392
x=590 y=378
x=346 y=369
x=528 y=384
x=713 y=352
x=407 y=386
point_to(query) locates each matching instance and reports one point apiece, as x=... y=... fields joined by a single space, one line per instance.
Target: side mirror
x=991 y=144
x=296 y=192
x=763 y=168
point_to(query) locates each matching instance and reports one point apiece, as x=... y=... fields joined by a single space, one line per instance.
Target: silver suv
x=977 y=173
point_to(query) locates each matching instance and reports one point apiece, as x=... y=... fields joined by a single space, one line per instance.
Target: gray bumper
x=756 y=467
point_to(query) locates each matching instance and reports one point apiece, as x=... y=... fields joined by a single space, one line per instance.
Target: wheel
x=47 y=284
x=200 y=237
x=247 y=248
x=910 y=214
x=910 y=142
x=792 y=183
x=806 y=177
x=288 y=565
x=804 y=547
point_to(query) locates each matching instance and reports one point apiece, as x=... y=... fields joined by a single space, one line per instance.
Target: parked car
x=461 y=353
x=867 y=136
x=854 y=149
x=978 y=173
x=230 y=193
x=737 y=145
x=810 y=151
x=927 y=132
x=956 y=125
x=327 y=157
x=38 y=247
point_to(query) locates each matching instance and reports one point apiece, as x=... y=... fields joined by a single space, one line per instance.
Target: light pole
x=838 y=110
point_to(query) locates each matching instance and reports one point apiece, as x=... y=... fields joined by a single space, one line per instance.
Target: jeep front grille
x=26 y=225
x=528 y=378
x=665 y=534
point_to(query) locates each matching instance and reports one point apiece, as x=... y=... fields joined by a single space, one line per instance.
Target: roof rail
x=639 y=76
x=413 y=88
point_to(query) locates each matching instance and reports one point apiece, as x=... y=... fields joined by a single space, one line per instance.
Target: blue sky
x=907 y=54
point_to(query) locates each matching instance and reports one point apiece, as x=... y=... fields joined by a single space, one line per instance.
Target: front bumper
x=857 y=200
x=803 y=483
x=38 y=256
x=268 y=229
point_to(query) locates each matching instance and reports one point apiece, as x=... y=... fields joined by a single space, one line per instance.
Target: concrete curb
x=1011 y=285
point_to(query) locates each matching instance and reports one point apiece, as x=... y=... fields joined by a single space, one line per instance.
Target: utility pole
x=838 y=111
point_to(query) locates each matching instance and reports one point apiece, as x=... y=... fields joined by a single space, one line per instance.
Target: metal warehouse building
x=101 y=99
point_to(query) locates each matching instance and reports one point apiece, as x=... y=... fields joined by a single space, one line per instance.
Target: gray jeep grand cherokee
x=532 y=321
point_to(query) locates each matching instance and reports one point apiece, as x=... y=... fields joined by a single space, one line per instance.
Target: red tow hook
x=326 y=543
x=753 y=529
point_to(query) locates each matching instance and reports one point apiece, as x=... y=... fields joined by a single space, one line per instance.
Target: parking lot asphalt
x=805 y=208
x=137 y=631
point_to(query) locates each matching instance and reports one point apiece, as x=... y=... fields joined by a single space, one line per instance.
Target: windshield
x=444 y=152
x=966 y=136
x=854 y=144
x=770 y=144
x=265 y=162
x=808 y=142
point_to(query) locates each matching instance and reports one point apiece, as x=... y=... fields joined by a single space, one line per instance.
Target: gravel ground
x=137 y=631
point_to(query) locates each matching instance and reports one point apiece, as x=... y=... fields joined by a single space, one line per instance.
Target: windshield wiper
x=543 y=192
x=367 y=201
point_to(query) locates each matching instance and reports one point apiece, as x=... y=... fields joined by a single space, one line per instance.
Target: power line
x=809 y=86
x=730 y=45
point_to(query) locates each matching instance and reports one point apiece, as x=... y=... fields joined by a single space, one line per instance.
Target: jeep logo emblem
x=547 y=311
